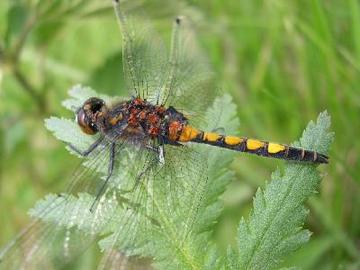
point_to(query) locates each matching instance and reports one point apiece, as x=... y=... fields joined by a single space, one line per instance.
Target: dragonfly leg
x=159 y=150
x=86 y=152
x=161 y=155
x=110 y=172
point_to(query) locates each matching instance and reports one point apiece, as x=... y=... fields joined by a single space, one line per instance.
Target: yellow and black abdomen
x=253 y=146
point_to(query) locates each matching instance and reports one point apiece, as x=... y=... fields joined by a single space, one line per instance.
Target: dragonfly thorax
x=133 y=119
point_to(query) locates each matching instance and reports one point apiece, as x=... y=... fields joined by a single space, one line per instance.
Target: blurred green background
x=282 y=61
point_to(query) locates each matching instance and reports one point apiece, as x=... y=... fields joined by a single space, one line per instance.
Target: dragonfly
x=155 y=134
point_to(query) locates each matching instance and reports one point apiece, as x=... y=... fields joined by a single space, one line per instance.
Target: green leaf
x=184 y=216
x=274 y=228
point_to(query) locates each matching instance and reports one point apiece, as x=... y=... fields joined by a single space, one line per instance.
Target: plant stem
x=26 y=85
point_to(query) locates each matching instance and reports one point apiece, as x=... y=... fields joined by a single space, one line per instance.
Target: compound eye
x=94 y=105
x=85 y=123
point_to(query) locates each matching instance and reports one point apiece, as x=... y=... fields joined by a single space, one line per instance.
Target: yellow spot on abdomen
x=232 y=140
x=252 y=144
x=211 y=137
x=274 y=148
x=188 y=133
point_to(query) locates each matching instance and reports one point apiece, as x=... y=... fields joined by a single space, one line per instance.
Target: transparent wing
x=63 y=225
x=161 y=208
x=190 y=84
x=180 y=77
x=144 y=56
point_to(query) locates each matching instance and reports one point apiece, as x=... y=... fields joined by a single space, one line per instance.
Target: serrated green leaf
x=274 y=228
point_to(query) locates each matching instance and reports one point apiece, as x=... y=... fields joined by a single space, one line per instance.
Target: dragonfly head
x=89 y=114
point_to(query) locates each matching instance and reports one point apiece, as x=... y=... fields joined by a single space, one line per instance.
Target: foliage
x=274 y=229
